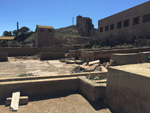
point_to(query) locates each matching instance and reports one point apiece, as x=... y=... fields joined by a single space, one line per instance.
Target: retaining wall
x=144 y=56
x=128 y=88
x=18 y=51
x=51 y=55
x=3 y=57
x=122 y=59
x=37 y=88
x=41 y=86
x=107 y=53
x=94 y=92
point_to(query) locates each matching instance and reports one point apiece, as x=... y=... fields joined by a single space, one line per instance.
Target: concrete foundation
x=3 y=57
x=90 y=90
x=51 y=55
x=122 y=59
x=127 y=88
x=18 y=51
x=98 y=54
x=44 y=86
x=144 y=57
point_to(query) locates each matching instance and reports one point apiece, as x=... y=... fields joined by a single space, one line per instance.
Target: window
x=101 y=29
x=146 y=18
x=119 y=25
x=106 y=28
x=136 y=20
x=41 y=30
x=49 y=30
x=111 y=26
x=126 y=23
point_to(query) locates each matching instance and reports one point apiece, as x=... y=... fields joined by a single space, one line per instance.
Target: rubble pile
x=93 y=66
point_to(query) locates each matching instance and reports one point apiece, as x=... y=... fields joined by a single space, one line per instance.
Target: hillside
x=66 y=32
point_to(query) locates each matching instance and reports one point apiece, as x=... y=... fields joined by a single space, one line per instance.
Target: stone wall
x=85 y=26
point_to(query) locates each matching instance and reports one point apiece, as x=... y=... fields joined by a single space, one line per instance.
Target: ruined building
x=45 y=36
x=131 y=23
x=85 y=26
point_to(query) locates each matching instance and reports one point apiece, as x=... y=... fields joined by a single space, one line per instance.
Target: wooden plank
x=23 y=100
x=15 y=101
x=94 y=62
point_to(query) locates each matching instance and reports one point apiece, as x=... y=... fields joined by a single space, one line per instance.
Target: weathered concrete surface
x=39 y=87
x=87 y=55
x=144 y=56
x=3 y=57
x=127 y=88
x=23 y=51
x=23 y=67
x=128 y=58
x=90 y=55
x=52 y=55
x=93 y=91
x=75 y=53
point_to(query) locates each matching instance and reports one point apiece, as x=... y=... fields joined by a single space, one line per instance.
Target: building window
x=106 y=28
x=111 y=26
x=101 y=29
x=119 y=25
x=49 y=30
x=126 y=23
x=136 y=20
x=146 y=18
x=41 y=30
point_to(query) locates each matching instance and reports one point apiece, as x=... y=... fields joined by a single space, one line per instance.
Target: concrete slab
x=127 y=88
x=128 y=58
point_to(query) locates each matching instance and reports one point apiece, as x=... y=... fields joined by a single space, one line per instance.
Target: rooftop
x=47 y=27
x=7 y=37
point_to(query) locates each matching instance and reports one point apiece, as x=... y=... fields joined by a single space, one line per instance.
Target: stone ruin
x=85 y=26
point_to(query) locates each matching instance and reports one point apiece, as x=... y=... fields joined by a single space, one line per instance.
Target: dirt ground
x=74 y=103
x=22 y=66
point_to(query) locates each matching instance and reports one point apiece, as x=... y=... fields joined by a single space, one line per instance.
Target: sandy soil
x=74 y=103
x=33 y=67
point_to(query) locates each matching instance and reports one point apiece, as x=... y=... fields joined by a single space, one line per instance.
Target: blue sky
x=57 y=13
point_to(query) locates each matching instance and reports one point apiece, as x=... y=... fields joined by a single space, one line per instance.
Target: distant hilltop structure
x=45 y=36
x=85 y=26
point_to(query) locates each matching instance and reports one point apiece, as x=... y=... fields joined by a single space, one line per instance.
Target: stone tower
x=85 y=26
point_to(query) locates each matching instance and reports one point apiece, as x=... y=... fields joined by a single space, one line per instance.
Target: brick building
x=131 y=23
x=45 y=36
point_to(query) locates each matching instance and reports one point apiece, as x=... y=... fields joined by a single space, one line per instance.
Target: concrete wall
x=127 y=91
x=51 y=55
x=3 y=57
x=95 y=55
x=128 y=58
x=37 y=88
x=17 y=51
x=144 y=57
x=131 y=31
x=90 y=90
